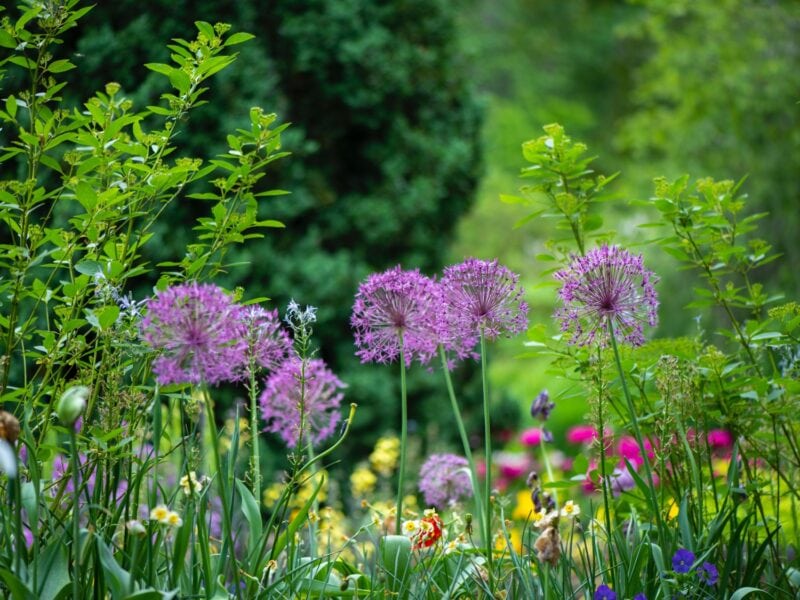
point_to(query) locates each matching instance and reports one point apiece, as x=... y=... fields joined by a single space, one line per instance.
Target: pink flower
x=629 y=449
x=512 y=464
x=720 y=438
x=581 y=434
x=531 y=437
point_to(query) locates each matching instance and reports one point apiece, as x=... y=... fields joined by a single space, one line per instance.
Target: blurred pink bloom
x=531 y=437
x=720 y=438
x=512 y=464
x=629 y=449
x=581 y=434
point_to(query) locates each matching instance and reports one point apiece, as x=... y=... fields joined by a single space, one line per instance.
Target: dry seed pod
x=9 y=427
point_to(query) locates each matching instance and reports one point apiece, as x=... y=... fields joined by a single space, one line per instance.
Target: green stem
x=256 y=462
x=487 y=438
x=76 y=528
x=464 y=440
x=403 y=438
x=639 y=438
x=601 y=437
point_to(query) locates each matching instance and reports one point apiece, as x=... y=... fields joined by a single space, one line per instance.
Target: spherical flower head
x=268 y=343
x=392 y=306
x=608 y=285
x=708 y=574
x=480 y=296
x=603 y=592
x=199 y=333
x=682 y=560
x=444 y=480
x=308 y=386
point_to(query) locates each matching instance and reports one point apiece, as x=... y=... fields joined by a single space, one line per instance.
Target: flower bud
x=71 y=404
x=9 y=427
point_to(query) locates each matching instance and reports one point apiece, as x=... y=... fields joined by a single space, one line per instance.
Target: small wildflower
x=160 y=513
x=570 y=509
x=581 y=434
x=682 y=560
x=444 y=480
x=708 y=574
x=603 y=592
x=531 y=437
x=385 y=455
x=191 y=484
x=542 y=406
x=410 y=528
x=607 y=285
x=174 y=519
x=429 y=532
x=362 y=481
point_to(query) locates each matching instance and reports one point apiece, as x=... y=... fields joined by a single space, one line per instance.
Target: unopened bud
x=72 y=404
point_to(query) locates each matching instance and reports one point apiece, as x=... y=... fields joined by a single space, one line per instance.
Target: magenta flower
x=608 y=285
x=444 y=480
x=480 y=296
x=531 y=437
x=267 y=341
x=581 y=434
x=313 y=390
x=720 y=438
x=629 y=449
x=199 y=333
x=392 y=306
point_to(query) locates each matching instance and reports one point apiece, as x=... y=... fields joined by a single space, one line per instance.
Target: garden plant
x=126 y=472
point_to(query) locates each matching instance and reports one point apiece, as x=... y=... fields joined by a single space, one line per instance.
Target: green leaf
x=117 y=578
x=743 y=591
x=11 y=106
x=395 y=560
x=60 y=66
x=252 y=513
x=19 y=591
x=238 y=38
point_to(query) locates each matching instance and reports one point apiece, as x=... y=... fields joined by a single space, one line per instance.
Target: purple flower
x=640 y=596
x=682 y=560
x=392 y=306
x=608 y=285
x=199 y=332
x=621 y=481
x=267 y=342
x=708 y=574
x=541 y=406
x=293 y=388
x=444 y=480
x=604 y=593
x=480 y=296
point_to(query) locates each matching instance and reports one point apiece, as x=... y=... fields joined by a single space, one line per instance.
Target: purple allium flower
x=682 y=560
x=708 y=574
x=541 y=406
x=198 y=329
x=480 y=295
x=391 y=305
x=314 y=389
x=603 y=592
x=267 y=341
x=607 y=285
x=444 y=480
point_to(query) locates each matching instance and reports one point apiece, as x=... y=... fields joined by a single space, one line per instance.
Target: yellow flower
x=174 y=519
x=272 y=494
x=673 y=510
x=524 y=507
x=362 y=481
x=570 y=509
x=385 y=455
x=160 y=513
x=190 y=483
x=410 y=527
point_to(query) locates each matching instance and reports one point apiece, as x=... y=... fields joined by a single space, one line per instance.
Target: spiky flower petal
x=444 y=480
x=607 y=285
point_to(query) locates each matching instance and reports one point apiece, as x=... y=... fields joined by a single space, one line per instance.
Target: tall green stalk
x=464 y=440
x=487 y=445
x=637 y=432
x=403 y=437
x=76 y=527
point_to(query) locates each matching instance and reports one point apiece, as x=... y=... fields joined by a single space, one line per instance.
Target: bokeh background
x=407 y=121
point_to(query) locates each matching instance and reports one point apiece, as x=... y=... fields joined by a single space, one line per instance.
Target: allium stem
x=637 y=432
x=256 y=460
x=476 y=491
x=487 y=435
x=403 y=437
x=604 y=474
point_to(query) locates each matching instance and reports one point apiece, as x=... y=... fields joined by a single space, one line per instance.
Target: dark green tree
x=385 y=144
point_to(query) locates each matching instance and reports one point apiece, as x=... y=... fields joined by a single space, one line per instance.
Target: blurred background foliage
x=408 y=116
